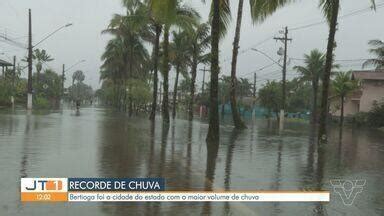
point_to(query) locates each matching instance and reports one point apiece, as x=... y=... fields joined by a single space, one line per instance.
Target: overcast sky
x=83 y=40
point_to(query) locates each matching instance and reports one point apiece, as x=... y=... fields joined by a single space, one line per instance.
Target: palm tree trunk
x=130 y=75
x=193 y=82
x=342 y=112
x=165 y=76
x=315 y=89
x=175 y=92
x=322 y=136
x=114 y=94
x=130 y=102
x=155 y=78
x=223 y=107
x=125 y=95
x=213 y=130
x=239 y=124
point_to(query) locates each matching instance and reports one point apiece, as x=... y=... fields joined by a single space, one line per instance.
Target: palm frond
x=261 y=9
x=225 y=16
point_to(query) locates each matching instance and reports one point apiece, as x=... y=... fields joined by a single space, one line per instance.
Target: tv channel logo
x=44 y=185
x=348 y=189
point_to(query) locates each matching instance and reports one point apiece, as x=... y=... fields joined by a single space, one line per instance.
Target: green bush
x=360 y=118
x=41 y=103
x=376 y=116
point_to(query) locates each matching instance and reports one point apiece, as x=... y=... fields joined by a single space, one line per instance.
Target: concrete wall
x=373 y=90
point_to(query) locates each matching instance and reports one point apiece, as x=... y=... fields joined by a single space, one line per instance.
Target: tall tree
x=165 y=72
x=260 y=9
x=331 y=11
x=311 y=72
x=155 y=60
x=199 y=40
x=342 y=86
x=377 y=50
x=149 y=15
x=179 y=56
x=42 y=57
x=78 y=76
x=239 y=124
x=220 y=16
x=171 y=13
x=270 y=97
x=126 y=56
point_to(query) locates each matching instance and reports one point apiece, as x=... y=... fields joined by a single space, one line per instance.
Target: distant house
x=4 y=65
x=371 y=92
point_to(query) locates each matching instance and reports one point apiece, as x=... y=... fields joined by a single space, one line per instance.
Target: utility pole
x=254 y=97
x=29 y=100
x=62 y=85
x=284 y=39
x=62 y=81
x=254 y=85
x=13 y=82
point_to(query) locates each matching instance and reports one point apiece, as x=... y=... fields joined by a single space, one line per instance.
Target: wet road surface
x=101 y=143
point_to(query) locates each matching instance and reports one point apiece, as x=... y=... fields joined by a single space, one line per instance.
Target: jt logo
x=45 y=185
x=347 y=189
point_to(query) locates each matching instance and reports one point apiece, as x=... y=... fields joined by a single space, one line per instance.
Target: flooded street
x=101 y=143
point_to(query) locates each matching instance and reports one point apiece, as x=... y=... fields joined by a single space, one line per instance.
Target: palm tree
x=270 y=96
x=378 y=51
x=331 y=11
x=126 y=56
x=198 y=40
x=179 y=56
x=171 y=13
x=78 y=76
x=311 y=72
x=244 y=87
x=113 y=67
x=260 y=9
x=224 y=85
x=152 y=14
x=343 y=85
x=155 y=60
x=220 y=16
x=41 y=57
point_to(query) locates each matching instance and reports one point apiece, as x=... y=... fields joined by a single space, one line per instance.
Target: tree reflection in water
x=212 y=150
x=228 y=165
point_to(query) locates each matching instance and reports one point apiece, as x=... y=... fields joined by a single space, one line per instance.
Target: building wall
x=350 y=107
x=373 y=90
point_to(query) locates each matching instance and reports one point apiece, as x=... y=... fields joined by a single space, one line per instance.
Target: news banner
x=146 y=190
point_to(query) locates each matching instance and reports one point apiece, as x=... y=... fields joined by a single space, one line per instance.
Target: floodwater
x=100 y=143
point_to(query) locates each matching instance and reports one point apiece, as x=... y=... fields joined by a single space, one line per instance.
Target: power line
x=353 y=13
x=250 y=47
x=336 y=60
x=10 y=41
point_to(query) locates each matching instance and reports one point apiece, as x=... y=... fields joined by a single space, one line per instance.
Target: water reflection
x=212 y=151
x=228 y=165
x=100 y=143
x=188 y=167
x=24 y=151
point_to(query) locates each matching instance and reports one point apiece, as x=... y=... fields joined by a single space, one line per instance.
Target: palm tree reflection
x=228 y=165
x=189 y=155
x=212 y=150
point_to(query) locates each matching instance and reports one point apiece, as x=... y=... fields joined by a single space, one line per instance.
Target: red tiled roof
x=368 y=75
